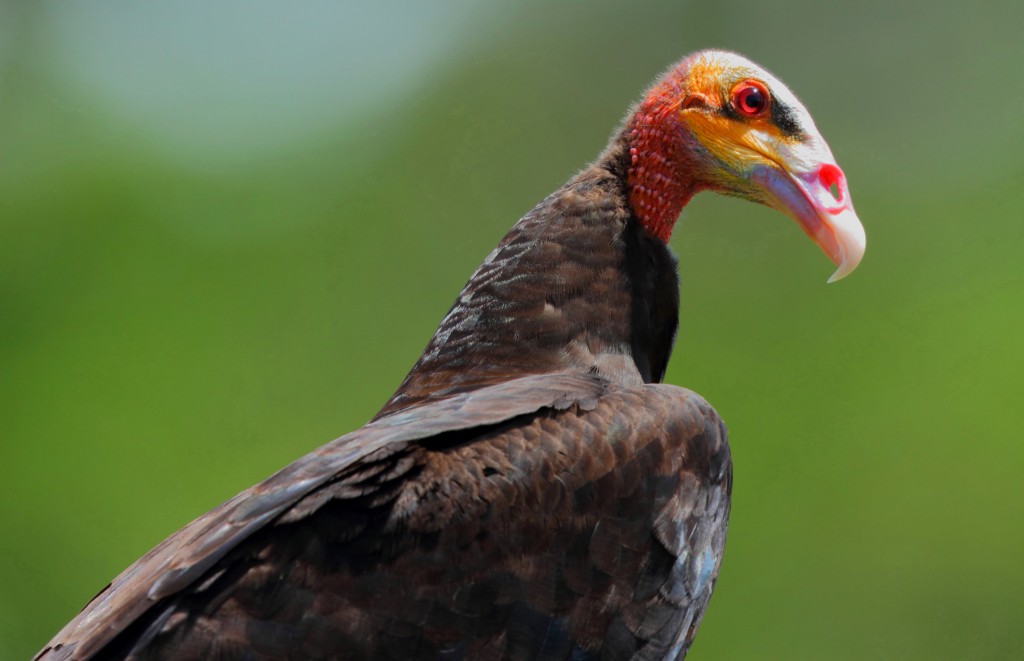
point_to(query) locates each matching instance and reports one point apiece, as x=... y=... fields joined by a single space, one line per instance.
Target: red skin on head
x=659 y=184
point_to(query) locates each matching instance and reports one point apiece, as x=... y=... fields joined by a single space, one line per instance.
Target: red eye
x=750 y=98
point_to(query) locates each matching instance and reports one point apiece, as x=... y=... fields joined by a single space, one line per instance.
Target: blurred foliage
x=178 y=321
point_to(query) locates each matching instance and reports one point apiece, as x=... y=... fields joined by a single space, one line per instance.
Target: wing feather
x=185 y=556
x=550 y=517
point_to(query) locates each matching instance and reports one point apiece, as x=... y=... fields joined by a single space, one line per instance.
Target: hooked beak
x=803 y=192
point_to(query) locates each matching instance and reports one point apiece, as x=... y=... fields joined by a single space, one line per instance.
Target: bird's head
x=717 y=121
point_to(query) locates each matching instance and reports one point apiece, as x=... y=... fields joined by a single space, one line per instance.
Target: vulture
x=531 y=490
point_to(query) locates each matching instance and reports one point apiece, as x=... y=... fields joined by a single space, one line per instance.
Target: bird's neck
x=658 y=178
x=577 y=284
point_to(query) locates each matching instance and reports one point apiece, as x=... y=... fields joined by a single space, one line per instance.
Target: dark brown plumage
x=529 y=492
x=577 y=284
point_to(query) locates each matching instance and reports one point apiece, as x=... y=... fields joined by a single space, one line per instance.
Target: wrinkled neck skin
x=662 y=159
x=584 y=282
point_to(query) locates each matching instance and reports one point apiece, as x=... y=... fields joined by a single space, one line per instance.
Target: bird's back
x=526 y=493
x=495 y=540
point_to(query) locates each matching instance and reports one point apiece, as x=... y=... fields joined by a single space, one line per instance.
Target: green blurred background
x=228 y=229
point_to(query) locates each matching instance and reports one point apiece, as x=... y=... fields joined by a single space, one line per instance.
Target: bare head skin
x=717 y=121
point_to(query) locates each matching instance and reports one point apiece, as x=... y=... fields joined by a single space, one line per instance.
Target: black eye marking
x=781 y=115
x=784 y=119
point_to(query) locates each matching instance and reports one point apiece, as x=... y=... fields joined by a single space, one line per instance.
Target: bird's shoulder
x=187 y=554
x=532 y=454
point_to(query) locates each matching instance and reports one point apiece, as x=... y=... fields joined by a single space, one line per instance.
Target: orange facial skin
x=717 y=121
x=735 y=141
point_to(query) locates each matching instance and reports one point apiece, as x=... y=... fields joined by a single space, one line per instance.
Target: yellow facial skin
x=751 y=157
x=737 y=143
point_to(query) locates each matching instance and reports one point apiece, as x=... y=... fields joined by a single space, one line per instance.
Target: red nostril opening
x=831 y=177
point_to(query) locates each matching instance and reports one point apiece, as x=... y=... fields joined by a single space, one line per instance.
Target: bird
x=532 y=490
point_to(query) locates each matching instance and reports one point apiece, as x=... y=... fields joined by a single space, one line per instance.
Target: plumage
x=530 y=491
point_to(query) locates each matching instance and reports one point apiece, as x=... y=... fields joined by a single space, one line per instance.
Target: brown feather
x=514 y=539
x=527 y=492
